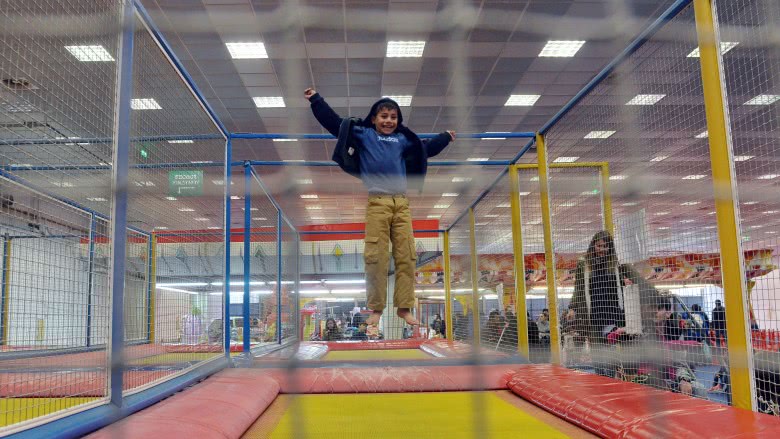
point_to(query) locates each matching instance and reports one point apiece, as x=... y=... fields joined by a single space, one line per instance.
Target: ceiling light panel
x=599 y=135
x=405 y=49
x=402 y=100
x=94 y=53
x=144 y=104
x=561 y=48
x=269 y=101
x=725 y=46
x=645 y=99
x=254 y=50
x=521 y=100
x=763 y=100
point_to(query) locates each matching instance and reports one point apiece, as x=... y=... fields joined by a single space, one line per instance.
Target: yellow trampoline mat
x=14 y=410
x=378 y=354
x=409 y=415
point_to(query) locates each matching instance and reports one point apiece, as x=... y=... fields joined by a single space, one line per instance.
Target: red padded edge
x=456 y=349
x=77 y=383
x=223 y=406
x=371 y=345
x=389 y=379
x=616 y=409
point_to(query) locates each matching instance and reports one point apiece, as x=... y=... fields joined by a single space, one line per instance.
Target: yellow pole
x=731 y=257
x=549 y=255
x=474 y=276
x=447 y=286
x=6 y=289
x=606 y=199
x=153 y=287
x=517 y=246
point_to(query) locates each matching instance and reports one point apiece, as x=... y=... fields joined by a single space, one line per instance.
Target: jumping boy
x=382 y=152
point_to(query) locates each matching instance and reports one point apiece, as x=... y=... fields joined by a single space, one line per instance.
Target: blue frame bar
x=507 y=135
x=44 y=141
x=119 y=180
x=90 y=276
x=166 y=48
x=640 y=40
x=315 y=164
x=279 y=276
x=247 y=250
x=3 y=292
x=227 y=233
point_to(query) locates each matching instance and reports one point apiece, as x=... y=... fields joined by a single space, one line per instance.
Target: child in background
x=382 y=152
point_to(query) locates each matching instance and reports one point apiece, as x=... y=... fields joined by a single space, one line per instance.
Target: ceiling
x=477 y=53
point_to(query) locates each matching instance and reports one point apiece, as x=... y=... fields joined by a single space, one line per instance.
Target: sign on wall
x=185 y=183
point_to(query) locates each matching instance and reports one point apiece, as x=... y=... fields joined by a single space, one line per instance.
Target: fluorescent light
x=235 y=197
x=144 y=104
x=304 y=181
x=181 y=141
x=584 y=222
x=599 y=134
x=687 y=221
x=690 y=203
x=403 y=101
x=214 y=227
x=768 y=176
x=617 y=177
x=763 y=100
x=175 y=290
x=269 y=101
x=566 y=160
x=461 y=179
x=503 y=205
x=247 y=50
x=317 y=218
x=201 y=219
x=725 y=46
x=659 y=192
x=99 y=199
x=659 y=158
x=521 y=100
x=313 y=207
x=62 y=184
x=750 y=203
x=94 y=53
x=771 y=212
x=477 y=159
x=694 y=177
x=344 y=281
x=144 y=183
x=309 y=196
x=561 y=48
x=523 y=194
x=441 y=206
x=491 y=216
x=662 y=213
x=161 y=228
x=495 y=138
x=568 y=204
x=703 y=135
x=405 y=49
x=251 y=209
x=629 y=204
x=186 y=209
x=450 y=194
x=663 y=228
x=434 y=216
x=743 y=158
x=259 y=218
x=645 y=99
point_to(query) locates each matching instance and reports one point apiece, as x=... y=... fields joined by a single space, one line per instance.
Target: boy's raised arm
x=322 y=112
x=434 y=146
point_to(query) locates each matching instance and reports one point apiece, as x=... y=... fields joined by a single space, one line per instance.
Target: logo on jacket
x=387 y=138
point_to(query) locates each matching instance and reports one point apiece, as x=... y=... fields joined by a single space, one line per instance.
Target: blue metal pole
x=4 y=288
x=151 y=255
x=228 y=223
x=90 y=275
x=279 y=277
x=296 y=312
x=504 y=135
x=124 y=92
x=247 y=250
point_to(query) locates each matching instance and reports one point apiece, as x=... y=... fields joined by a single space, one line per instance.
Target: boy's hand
x=309 y=92
x=452 y=134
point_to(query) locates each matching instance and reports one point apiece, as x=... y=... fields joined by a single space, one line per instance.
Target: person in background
x=543 y=323
x=361 y=332
x=509 y=342
x=439 y=326
x=719 y=322
x=332 y=332
x=493 y=329
x=721 y=382
x=698 y=324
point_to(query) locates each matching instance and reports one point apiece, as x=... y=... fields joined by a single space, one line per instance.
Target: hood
x=372 y=112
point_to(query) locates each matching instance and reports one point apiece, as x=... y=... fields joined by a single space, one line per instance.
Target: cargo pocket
x=371 y=252
x=412 y=249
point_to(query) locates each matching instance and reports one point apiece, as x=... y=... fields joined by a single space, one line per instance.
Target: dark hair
x=545 y=309
x=330 y=319
x=695 y=307
x=590 y=256
x=717 y=302
x=387 y=105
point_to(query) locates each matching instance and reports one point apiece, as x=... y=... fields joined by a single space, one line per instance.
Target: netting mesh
x=463 y=312
x=642 y=294
x=751 y=71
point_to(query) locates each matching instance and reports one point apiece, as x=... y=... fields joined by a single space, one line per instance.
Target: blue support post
x=90 y=275
x=4 y=323
x=247 y=250
x=228 y=220
x=150 y=282
x=118 y=239
x=279 y=276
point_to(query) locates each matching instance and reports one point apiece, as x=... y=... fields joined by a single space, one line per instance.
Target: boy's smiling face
x=385 y=121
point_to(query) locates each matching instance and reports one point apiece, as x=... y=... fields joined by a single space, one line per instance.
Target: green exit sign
x=185 y=183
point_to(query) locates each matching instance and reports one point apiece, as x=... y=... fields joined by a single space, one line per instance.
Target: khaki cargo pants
x=388 y=219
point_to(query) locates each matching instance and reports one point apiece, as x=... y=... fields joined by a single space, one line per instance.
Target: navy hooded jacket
x=347 y=150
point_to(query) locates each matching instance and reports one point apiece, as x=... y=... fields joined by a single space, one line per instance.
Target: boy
x=382 y=152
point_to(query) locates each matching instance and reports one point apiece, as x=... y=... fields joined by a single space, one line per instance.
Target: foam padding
x=390 y=379
x=375 y=355
x=223 y=406
x=371 y=345
x=69 y=383
x=456 y=349
x=617 y=409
